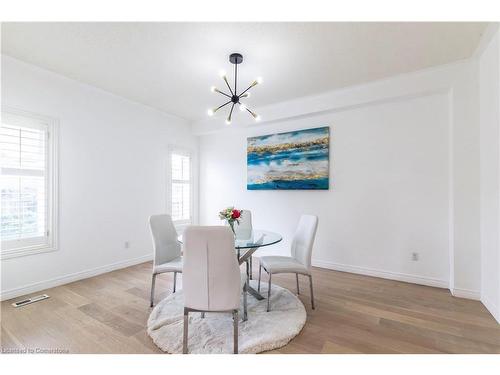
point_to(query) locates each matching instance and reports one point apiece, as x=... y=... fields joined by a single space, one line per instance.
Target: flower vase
x=231 y=224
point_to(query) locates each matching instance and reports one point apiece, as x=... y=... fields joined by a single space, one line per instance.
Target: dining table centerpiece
x=231 y=215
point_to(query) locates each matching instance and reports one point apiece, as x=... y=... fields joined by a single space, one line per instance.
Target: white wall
x=489 y=72
x=404 y=177
x=388 y=189
x=113 y=158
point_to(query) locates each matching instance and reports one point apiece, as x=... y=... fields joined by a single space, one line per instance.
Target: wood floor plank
x=7 y=340
x=354 y=314
x=106 y=337
x=112 y=320
x=333 y=348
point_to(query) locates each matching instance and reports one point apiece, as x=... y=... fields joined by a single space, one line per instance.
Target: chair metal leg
x=185 y=337
x=269 y=294
x=203 y=315
x=175 y=280
x=235 y=326
x=153 y=281
x=245 y=292
x=260 y=272
x=312 y=293
x=248 y=271
x=297 y=278
x=250 y=262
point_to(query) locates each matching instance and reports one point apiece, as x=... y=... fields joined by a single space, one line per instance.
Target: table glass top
x=257 y=238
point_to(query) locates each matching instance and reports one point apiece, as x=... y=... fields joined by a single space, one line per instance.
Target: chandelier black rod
x=235 y=78
x=227 y=83
x=219 y=107
x=231 y=112
x=249 y=111
x=249 y=87
x=223 y=93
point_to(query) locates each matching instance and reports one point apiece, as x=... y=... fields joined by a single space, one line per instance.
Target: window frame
x=184 y=152
x=51 y=125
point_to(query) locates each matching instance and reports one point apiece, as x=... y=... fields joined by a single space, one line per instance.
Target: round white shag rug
x=214 y=334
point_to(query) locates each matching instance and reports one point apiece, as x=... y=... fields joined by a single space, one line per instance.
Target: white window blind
x=180 y=188
x=26 y=185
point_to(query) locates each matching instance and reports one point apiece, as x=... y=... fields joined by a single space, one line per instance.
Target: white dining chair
x=167 y=249
x=243 y=230
x=211 y=279
x=300 y=260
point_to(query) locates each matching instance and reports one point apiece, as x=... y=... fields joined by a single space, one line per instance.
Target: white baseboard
x=383 y=274
x=492 y=308
x=466 y=293
x=36 y=287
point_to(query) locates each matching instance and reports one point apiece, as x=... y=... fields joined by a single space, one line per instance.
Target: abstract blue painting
x=297 y=160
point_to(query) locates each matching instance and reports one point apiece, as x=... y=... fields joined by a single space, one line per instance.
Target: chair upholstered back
x=211 y=278
x=164 y=235
x=244 y=229
x=303 y=239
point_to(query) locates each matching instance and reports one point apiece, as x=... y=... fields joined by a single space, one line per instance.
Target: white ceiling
x=171 y=66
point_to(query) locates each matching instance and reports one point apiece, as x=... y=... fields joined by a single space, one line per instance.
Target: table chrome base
x=254 y=293
x=247 y=259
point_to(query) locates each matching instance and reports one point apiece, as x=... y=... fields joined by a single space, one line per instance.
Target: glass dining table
x=245 y=246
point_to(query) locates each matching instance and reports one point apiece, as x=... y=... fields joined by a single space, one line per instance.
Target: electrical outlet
x=126 y=245
x=414 y=256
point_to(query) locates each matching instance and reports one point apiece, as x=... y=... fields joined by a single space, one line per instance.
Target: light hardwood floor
x=354 y=314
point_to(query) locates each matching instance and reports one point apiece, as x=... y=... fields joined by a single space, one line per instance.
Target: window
x=180 y=187
x=28 y=184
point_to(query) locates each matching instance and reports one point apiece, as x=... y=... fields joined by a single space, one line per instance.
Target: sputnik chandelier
x=234 y=97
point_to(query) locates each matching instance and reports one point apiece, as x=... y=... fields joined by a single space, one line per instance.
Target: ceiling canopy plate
x=235 y=58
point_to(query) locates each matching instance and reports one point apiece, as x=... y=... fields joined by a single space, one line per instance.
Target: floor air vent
x=27 y=301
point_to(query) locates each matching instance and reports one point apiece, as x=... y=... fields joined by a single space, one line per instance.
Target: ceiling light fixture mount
x=234 y=97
